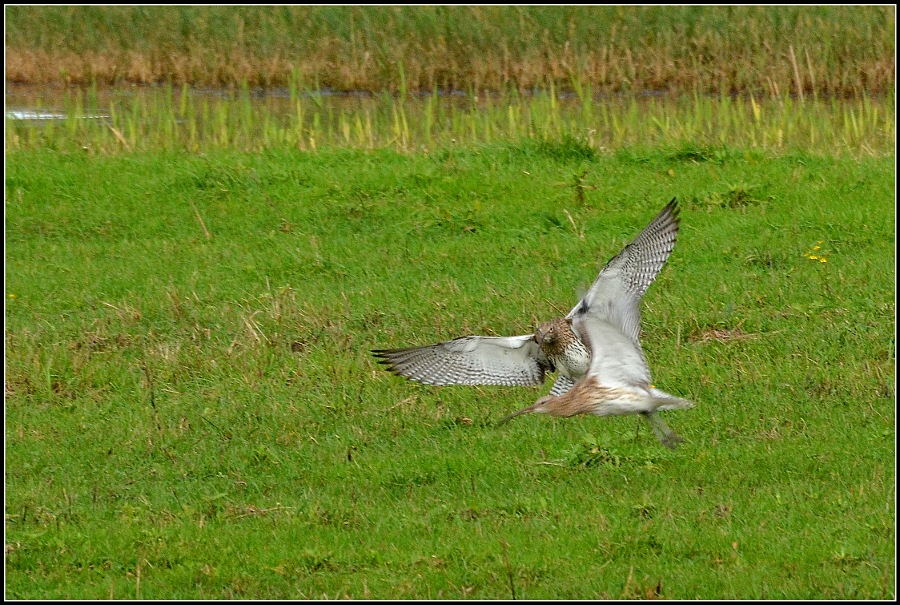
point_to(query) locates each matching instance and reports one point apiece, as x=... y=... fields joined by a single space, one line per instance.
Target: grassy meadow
x=195 y=279
x=192 y=410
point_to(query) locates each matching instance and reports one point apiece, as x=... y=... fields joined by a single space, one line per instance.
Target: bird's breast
x=574 y=360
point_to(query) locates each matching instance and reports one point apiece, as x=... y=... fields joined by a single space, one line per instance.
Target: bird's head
x=580 y=399
x=546 y=332
x=550 y=335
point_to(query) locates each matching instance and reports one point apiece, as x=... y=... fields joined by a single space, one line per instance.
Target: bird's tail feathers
x=665 y=401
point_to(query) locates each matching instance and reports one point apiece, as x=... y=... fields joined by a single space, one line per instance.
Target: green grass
x=799 y=50
x=192 y=411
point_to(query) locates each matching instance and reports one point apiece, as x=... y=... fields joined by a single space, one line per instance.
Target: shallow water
x=197 y=118
x=53 y=103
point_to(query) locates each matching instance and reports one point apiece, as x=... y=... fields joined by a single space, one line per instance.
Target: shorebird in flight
x=595 y=349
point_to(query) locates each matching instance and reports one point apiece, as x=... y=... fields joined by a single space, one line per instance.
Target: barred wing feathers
x=471 y=360
x=616 y=293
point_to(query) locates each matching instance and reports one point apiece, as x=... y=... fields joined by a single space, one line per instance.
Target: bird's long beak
x=514 y=414
x=531 y=408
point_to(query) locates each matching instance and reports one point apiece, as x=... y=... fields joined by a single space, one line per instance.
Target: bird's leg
x=665 y=435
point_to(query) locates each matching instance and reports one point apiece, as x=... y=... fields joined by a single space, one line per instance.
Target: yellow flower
x=823 y=260
x=813 y=257
x=12 y=295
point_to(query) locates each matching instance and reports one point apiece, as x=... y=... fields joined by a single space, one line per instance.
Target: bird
x=595 y=348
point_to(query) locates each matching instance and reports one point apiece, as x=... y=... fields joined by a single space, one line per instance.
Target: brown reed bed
x=771 y=51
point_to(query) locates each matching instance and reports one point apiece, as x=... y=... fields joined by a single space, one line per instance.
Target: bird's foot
x=671 y=440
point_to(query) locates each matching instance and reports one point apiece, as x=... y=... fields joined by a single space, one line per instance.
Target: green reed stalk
x=148 y=120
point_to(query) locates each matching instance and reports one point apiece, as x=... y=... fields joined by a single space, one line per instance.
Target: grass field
x=195 y=279
x=192 y=411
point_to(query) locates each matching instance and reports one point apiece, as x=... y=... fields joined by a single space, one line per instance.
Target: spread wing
x=486 y=360
x=616 y=293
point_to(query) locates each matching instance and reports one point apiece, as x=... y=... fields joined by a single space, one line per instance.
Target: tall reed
x=798 y=50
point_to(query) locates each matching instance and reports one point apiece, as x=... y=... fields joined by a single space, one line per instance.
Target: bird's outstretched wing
x=616 y=293
x=485 y=360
